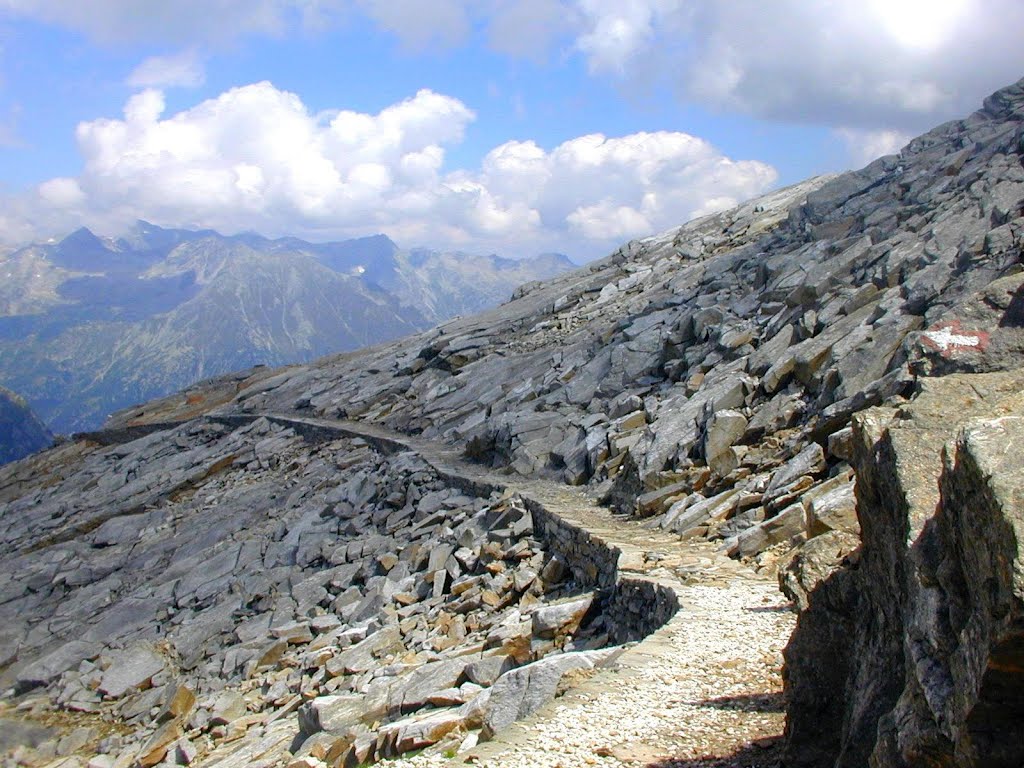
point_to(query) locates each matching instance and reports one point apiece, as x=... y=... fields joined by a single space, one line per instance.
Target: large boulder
x=524 y=690
x=963 y=700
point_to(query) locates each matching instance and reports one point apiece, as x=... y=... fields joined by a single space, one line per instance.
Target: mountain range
x=89 y=325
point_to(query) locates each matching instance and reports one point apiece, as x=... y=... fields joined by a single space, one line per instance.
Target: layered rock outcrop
x=909 y=653
x=253 y=591
x=907 y=648
x=707 y=376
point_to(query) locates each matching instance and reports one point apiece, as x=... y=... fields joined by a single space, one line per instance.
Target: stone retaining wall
x=634 y=605
x=124 y=434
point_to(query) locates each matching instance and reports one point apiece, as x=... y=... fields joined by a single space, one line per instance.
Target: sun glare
x=919 y=24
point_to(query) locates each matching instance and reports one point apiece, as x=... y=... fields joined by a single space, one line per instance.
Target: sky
x=515 y=127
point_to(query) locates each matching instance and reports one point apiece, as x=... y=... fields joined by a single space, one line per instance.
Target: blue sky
x=486 y=125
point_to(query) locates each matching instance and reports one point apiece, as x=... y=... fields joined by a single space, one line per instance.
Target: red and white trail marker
x=950 y=338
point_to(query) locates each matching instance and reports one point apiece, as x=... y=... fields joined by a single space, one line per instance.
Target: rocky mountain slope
x=823 y=382
x=88 y=325
x=21 y=431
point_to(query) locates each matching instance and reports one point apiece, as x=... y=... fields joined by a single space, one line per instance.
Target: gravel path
x=703 y=691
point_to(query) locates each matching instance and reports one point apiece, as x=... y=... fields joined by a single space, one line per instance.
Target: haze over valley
x=89 y=326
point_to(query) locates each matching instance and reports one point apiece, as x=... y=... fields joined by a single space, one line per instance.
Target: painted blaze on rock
x=950 y=339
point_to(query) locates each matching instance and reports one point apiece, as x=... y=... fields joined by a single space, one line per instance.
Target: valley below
x=90 y=325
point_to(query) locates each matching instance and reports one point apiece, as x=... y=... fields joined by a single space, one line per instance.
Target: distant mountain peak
x=82 y=237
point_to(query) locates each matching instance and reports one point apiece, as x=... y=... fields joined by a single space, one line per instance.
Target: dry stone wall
x=292 y=588
x=634 y=607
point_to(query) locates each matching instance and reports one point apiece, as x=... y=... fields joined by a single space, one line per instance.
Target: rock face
x=706 y=377
x=255 y=589
x=907 y=651
x=21 y=431
x=910 y=655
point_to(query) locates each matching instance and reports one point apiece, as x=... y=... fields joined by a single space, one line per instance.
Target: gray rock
x=18 y=733
x=228 y=707
x=840 y=444
x=562 y=618
x=814 y=563
x=294 y=632
x=831 y=506
x=697 y=510
x=416 y=732
x=810 y=461
x=787 y=525
x=524 y=690
x=722 y=430
x=46 y=668
x=334 y=714
x=364 y=655
x=130 y=669
x=488 y=669
x=930 y=552
x=678 y=430
x=413 y=691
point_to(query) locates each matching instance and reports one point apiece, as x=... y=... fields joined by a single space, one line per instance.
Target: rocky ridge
x=706 y=377
x=748 y=383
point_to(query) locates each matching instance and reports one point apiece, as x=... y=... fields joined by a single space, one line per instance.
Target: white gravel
x=707 y=686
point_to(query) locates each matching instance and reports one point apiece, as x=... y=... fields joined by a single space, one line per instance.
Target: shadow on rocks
x=754 y=702
x=786 y=608
x=762 y=753
x=1013 y=317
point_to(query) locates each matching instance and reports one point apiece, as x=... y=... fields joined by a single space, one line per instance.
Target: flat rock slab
x=130 y=669
x=50 y=666
x=524 y=690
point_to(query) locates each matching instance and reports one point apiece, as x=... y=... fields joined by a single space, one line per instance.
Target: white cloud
x=528 y=28
x=879 y=65
x=256 y=158
x=184 y=69
x=865 y=146
x=609 y=189
x=62 y=193
x=258 y=150
x=614 y=33
x=418 y=24
x=516 y=27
